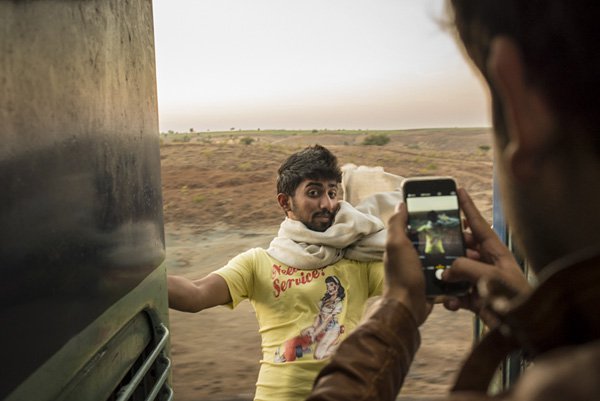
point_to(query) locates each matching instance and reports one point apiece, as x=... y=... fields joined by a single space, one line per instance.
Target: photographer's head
x=540 y=62
x=555 y=41
x=307 y=186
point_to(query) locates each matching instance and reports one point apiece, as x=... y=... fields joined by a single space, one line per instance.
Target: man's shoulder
x=255 y=251
x=572 y=371
x=253 y=254
x=361 y=262
x=246 y=264
x=357 y=264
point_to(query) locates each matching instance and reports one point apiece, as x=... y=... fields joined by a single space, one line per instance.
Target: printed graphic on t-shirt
x=284 y=279
x=321 y=338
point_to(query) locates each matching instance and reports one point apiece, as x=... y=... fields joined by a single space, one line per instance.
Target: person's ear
x=529 y=120
x=284 y=202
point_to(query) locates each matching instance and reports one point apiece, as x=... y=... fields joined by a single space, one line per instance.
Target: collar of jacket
x=563 y=310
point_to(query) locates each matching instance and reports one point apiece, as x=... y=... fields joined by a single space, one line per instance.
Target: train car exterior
x=83 y=301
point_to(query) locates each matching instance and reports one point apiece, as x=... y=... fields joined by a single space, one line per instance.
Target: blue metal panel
x=499 y=222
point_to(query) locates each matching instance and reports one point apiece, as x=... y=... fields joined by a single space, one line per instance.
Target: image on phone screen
x=435 y=229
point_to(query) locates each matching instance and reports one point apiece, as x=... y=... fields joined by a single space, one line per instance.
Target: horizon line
x=236 y=130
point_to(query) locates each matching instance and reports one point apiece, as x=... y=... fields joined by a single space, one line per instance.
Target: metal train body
x=83 y=302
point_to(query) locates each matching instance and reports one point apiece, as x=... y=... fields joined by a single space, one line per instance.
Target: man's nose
x=327 y=203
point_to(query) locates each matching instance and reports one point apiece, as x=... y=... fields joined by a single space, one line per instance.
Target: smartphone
x=435 y=229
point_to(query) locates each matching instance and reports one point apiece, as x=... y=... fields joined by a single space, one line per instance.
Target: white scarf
x=356 y=233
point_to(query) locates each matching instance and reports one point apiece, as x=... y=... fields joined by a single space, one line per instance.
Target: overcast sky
x=336 y=64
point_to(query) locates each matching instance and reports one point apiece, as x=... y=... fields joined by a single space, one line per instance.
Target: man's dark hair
x=558 y=42
x=314 y=162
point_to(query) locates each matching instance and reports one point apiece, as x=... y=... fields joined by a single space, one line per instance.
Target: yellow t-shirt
x=302 y=315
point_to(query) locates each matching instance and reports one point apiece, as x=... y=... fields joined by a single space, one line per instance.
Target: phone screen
x=435 y=229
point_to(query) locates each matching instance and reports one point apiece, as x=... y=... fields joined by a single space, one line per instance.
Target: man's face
x=314 y=203
x=528 y=204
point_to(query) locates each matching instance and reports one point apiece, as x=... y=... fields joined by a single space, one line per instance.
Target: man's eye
x=332 y=194
x=313 y=193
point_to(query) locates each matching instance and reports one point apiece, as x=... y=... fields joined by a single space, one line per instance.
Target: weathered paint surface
x=80 y=204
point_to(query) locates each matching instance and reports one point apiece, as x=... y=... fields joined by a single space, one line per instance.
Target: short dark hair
x=314 y=162
x=558 y=42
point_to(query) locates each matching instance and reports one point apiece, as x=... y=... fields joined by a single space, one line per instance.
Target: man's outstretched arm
x=193 y=296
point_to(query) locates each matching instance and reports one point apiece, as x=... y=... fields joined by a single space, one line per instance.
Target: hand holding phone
x=494 y=270
x=403 y=273
x=435 y=229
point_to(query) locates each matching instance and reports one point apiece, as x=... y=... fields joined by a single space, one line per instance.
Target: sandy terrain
x=219 y=200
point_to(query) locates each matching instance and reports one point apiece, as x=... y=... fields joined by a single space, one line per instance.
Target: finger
x=478 y=225
x=473 y=254
x=456 y=303
x=465 y=269
x=483 y=234
x=428 y=307
x=397 y=208
x=469 y=240
x=397 y=222
x=452 y=303
x=474 y=304
x=403 y=215
x=398 y=246
x=472 y=247
x=495 y=287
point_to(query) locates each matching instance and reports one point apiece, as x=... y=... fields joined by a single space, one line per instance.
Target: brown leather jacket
x=558 y=326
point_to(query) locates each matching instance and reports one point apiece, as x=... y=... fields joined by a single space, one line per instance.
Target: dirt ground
x=219 y=200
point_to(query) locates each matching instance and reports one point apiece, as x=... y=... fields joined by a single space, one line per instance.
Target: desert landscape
x=219 y=200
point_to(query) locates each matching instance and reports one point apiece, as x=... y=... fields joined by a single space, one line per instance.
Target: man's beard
x=320 y=226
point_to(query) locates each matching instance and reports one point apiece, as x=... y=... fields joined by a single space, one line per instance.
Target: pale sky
x=305 y=64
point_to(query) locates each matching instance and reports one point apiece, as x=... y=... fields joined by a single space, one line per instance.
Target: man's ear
x=529 y=121
x=284 y=202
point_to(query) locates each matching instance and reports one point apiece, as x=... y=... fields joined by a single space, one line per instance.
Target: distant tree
x=315 y=131
x=232 y=129
x=247 y=140
x=376 y=139
x=191 y=130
